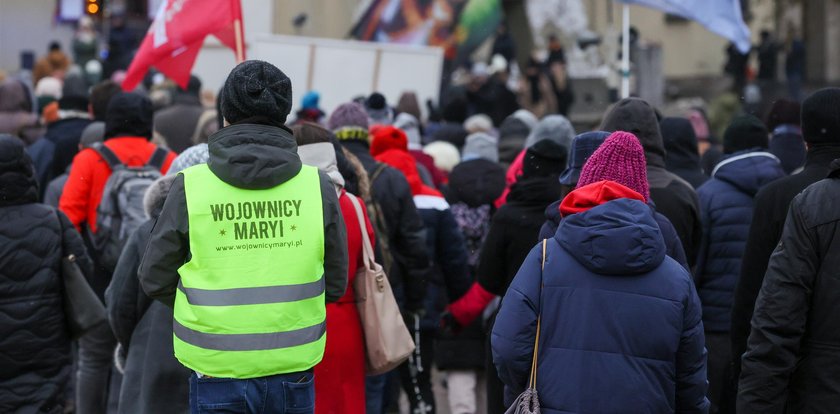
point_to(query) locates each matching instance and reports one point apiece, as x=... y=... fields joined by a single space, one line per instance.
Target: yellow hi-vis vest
x=250 y=302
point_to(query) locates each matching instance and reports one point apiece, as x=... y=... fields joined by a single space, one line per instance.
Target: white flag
x=722 y=17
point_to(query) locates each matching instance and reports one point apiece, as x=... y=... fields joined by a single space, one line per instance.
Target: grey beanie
x=554 y=127
x=409 y=124
x=258 y=91
x=481 y=145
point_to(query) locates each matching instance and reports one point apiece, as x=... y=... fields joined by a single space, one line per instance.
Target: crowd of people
x=645 y=266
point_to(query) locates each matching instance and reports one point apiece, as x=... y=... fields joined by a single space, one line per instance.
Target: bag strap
x=532 y=382
x=367 y=246
x=109 y=156
x=157 y=159
x=376 y=172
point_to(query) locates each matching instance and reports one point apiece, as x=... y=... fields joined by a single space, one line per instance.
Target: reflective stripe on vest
x=250 y=302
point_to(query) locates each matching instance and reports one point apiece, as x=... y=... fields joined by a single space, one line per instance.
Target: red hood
x=595 y=194
x=405 y=163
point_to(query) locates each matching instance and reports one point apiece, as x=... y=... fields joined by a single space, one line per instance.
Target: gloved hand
x=448 y=324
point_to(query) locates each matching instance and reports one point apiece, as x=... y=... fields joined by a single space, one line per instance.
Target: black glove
x=449 y=325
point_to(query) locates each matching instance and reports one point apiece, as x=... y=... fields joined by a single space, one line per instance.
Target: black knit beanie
x=256 y=92
x=129 y=115
x=545 y=158
x=745 y=132
x=783 y=112
x=821 y=117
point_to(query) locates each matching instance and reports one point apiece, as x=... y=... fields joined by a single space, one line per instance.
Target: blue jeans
x=375 y=393
x=278 y=394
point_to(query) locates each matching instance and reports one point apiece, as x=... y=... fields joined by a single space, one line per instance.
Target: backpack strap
x=108 y=155
x=377 y=171
x=157 y=159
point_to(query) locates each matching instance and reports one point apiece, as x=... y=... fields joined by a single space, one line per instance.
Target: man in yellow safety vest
x=248 y=248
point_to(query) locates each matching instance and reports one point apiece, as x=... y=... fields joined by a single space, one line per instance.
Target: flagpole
x=625 y=52
x=240 y=52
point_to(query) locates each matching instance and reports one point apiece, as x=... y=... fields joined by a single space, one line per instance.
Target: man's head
x=129 y=115
x=745 y=132
x=349 y=122
x=783 y=112
x=55 y=46
x=100 y=97
x=256 y=92
x=821 y=117
x=193 y=86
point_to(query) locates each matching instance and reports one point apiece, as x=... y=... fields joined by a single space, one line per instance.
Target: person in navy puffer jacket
x=621 y=327
x=726 y=205
x=621 y=322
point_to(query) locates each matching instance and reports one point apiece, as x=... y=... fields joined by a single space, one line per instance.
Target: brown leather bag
x=387 y=340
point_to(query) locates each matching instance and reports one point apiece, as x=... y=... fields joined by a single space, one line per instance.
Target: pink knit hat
x=621 y=159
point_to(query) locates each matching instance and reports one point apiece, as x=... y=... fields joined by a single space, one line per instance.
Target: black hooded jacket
x=34 y=341
x=673 y=196
x=771 y=209
x=514 y=231
x=682 y=157
x=791 y=363
x=153 y=380
x=406 y=231
x=251 y=157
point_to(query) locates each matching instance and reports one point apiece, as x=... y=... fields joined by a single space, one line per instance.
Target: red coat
x=89 y=172
x=340 y=377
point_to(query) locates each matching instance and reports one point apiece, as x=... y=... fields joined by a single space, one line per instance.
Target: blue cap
x=310 y=100
x=583 y=146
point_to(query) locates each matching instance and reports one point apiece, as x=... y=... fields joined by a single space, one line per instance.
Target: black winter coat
x=514 y=231
x=771 y=208
x=34 y=341
x=406 y=232
x=792 y=363
x=153 y=380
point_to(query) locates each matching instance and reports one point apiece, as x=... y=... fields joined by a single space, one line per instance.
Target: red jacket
x=89 y=172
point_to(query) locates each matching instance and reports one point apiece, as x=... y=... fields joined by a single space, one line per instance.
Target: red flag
x=177 y=34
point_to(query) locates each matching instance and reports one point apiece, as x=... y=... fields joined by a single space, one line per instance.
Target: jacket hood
x=638 y=117
x=680 y=144
x=405 y=163
x=476 y=182
x=749 y=171
x=17 y=174
x=13 y=97
x=618 y=237
x=554 y=127
x=535 y=190
x=156 y=195
x=253 y=156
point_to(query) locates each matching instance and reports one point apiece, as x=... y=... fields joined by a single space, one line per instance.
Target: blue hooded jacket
x=673 y=245
x=621 y=323
x=726 y=210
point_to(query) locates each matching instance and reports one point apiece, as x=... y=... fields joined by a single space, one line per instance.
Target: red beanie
x=386 y=137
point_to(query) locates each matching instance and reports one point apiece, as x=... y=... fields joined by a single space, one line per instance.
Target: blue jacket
x=673 y=245
x=726 y=209
x=621 y=325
